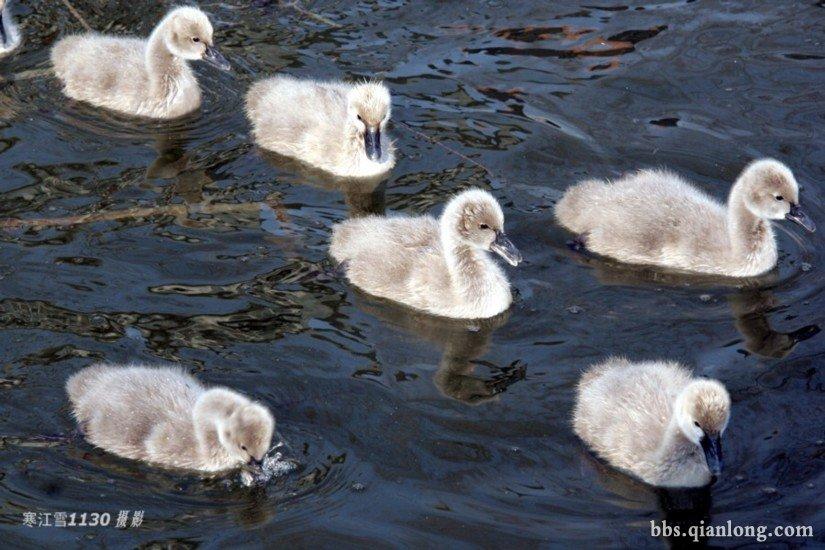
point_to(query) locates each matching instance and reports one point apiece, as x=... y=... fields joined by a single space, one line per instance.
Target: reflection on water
x=182 y=242
x=159 y=331
x=750 y=300
x=678 y=508
x=172 y=157
x=750 y=310
x=363 y=196
x=462 y=343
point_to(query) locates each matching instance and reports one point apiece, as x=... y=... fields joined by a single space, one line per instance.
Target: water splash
x=274 y=465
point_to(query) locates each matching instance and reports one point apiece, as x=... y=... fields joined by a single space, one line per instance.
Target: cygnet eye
x=359 y=118
x=484 y=226
x=243 y=447
x=780 y=198
x=696 y=424
x=195 y=39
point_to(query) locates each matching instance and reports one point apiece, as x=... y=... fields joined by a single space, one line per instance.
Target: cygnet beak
x=216 y=58
x=712 y=446
x=257 y=464
x=372 y=143
x=506 y=249
x=797 y=215
x=802 y=334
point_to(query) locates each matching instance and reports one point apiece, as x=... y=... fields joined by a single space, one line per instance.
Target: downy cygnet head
x=702 y=411
x=475 y=217
x=771 y=192
x=246 y=432
x=368 y=110
x=189 y=36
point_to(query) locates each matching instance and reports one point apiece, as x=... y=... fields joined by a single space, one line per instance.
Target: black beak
x=372 y=143
x=797 y=215
x=802 y=334
x=216 y=58
x=712 y=446
x=254 y=462
x=506 y=249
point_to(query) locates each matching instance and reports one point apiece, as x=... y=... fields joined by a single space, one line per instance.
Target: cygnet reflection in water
x=749 y=303
x=172 y=159
x=363 y=196
x=750 y=309
x=461 y=342
x=682 y=507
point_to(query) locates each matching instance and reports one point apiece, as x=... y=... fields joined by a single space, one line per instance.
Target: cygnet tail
x=79 y=383
x=254 y=97
x=340 y=243
x=597 y=371
x=589 y=376
x=63 y=53
x=574 y=210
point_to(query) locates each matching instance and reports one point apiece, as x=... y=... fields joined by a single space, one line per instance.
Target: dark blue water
x=198 y=249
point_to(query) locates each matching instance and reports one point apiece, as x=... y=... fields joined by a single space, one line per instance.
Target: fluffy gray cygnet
x=655 y=217
x=335 y=126
x=439 y=266
x=164 y=416
x=136 y=76
x=653 y=420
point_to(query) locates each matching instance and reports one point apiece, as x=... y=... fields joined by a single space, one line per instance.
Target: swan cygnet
x=336 y=126
x=438 y=266
x=142 y=77
x=164 y=416
x=9 y=35
x=655 y=217
x=653 y=420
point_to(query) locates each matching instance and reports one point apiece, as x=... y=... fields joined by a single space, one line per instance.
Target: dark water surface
x=410 y=430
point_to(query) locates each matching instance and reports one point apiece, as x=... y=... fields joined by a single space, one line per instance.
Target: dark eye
x=359 y=118
x=696 y=424
x=484 y=226
x=243 y=447
x=780 y=198
x=196 y=39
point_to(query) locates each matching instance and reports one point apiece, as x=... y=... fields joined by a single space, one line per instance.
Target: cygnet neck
x=163 y=67
x=749 y=234
x=353 y=148
x=675 y=444
x=468 y=265
x=207 y=416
